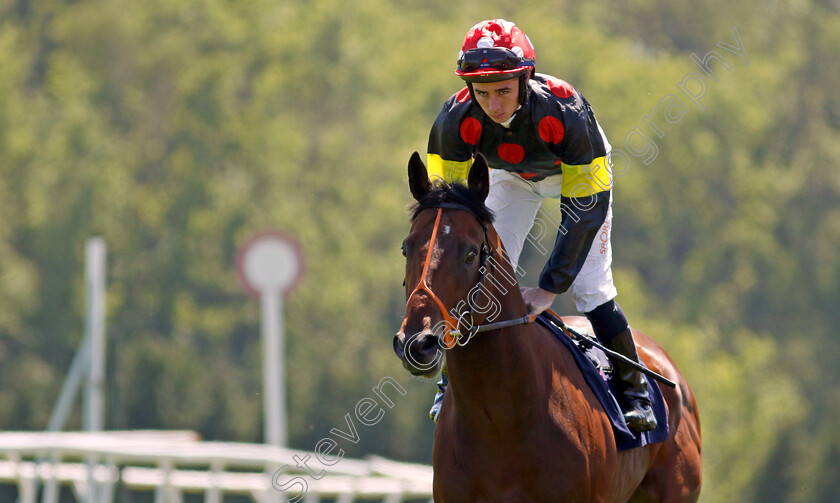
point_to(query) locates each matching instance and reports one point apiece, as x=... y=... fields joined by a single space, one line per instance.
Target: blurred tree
x=177 y=129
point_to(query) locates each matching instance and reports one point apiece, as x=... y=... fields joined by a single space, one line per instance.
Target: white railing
x=170 y=463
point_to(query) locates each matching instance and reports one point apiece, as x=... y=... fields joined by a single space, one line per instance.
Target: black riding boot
x=633 y=393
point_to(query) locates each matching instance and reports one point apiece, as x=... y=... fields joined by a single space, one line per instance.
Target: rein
x=453 y=334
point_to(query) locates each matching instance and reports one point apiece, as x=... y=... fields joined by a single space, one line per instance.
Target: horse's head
x=445 y=252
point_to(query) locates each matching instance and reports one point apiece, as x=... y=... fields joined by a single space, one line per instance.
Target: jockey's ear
x=479 y=178
x=418 y=177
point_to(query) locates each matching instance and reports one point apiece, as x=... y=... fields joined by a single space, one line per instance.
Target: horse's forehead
x=463 y=224
x=452 y=223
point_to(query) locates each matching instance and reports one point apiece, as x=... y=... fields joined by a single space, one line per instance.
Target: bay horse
x=518 y=422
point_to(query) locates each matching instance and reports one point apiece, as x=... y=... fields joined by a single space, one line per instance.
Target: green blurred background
x=175 y=129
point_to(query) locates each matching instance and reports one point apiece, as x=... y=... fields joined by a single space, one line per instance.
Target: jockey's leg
x=593 y=291
x=514 y=202
x=611 y=328
x=441 y=385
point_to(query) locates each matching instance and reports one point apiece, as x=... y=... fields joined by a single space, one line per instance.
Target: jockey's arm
x=449 y=157
x=585 y=197
x=446 y=170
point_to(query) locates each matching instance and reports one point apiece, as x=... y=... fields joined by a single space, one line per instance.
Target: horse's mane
x=458 y=193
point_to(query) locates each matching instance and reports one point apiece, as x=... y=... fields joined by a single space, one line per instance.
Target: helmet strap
x=524 y=88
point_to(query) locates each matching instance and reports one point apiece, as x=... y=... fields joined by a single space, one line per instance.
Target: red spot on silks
x=511 y=152
x=463 y=95
x=552 y=130
x=560 y=88
x=527 y=175
x=471 y=130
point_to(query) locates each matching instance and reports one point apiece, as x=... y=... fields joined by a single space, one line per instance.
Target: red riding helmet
x=495 y=50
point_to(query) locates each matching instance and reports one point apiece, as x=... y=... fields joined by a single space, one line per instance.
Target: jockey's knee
x=607 y=320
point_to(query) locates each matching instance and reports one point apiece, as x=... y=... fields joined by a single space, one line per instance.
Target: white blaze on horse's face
x=427 y=323
x=437 y=254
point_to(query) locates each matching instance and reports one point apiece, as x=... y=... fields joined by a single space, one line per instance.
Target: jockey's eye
x=471 y=256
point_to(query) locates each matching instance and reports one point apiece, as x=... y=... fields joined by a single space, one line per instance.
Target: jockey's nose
x=495 y=105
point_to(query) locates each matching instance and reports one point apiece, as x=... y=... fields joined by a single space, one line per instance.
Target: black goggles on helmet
x=497 y=58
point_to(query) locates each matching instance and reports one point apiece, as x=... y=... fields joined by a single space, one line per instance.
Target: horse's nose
x=420 y=353
x=424 y=344
x=399 y=345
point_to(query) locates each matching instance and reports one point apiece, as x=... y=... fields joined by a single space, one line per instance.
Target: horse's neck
x=499 y=376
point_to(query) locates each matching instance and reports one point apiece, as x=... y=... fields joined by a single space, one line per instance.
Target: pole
x=95 y=332
x=274 y=386
x=70 y=387
x=93 y=413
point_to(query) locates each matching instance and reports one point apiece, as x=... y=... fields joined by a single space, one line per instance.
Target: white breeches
x=517 y=204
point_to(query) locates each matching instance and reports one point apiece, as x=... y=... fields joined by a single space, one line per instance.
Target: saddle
x=597 y=371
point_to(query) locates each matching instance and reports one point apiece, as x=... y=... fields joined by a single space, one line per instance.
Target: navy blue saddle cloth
x=597 y=370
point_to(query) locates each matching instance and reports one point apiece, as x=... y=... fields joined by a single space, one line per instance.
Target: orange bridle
x=453 y=329
x=452 y=333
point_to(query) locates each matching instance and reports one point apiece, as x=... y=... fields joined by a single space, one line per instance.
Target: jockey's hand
x=537 y=300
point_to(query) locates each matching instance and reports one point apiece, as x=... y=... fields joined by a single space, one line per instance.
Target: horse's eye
x=471 y=256
x=405 y=253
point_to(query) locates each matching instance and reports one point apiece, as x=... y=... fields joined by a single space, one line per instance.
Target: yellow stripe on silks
x=587 y=179
x=449 y=171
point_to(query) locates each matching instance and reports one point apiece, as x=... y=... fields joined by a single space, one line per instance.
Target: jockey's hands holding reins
x=537 y=300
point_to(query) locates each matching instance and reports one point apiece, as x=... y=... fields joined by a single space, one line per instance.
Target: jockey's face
x=499 y=100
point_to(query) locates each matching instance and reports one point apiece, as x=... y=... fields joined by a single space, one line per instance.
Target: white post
x=269 y=266
x=274 y=373
x=94 y=411
x=95 y=331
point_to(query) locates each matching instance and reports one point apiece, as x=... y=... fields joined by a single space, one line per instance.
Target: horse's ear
x=418 y=177
x=479 y=179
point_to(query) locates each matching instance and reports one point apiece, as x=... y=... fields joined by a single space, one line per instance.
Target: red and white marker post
x=270 y=265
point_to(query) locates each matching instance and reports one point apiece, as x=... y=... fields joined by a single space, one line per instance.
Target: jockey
x=541 y=139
